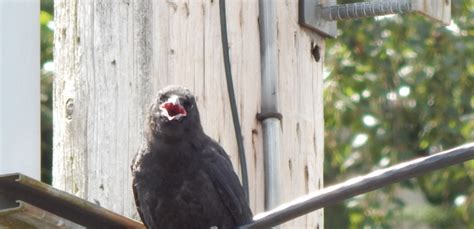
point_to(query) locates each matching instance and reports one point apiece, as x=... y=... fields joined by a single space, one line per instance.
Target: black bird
x=181 y=177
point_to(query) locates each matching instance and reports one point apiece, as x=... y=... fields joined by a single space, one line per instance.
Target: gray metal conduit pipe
x=270 y=116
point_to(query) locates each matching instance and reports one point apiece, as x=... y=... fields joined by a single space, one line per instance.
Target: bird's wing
x=135 y=195
x=227 y=184
x=137 y=203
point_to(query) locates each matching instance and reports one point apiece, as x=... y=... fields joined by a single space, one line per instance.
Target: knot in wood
x=69 y=108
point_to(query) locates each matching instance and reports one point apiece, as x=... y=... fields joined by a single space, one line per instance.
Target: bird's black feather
x=181 y=177
x=225 y=180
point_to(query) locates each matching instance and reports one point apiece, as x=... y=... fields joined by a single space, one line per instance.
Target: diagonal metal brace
x=360 y=185
x=18 y=187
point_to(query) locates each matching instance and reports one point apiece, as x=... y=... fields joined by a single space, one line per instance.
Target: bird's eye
x=163 y=98
x=187 y=104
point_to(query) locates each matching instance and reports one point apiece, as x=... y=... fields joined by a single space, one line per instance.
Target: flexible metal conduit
x=366 y=9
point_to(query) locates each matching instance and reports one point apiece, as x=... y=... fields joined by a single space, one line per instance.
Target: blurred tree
x=397 y=88
x=46 y=23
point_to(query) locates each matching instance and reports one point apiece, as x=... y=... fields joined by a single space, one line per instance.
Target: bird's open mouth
x=173 y=111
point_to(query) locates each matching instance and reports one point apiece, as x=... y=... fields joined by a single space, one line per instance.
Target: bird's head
x=174 y=112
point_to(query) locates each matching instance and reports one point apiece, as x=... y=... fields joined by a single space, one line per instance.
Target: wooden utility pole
x=113 y=56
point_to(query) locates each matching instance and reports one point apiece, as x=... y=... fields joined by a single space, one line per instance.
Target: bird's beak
x=172 y=109
x=173 y=100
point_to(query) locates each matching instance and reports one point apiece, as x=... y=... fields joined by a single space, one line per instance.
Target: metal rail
x=16 y=186
x=24 y=215
x=360 y=185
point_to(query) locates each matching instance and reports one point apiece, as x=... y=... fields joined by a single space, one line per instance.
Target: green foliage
x=46 y=17
x=403 y=84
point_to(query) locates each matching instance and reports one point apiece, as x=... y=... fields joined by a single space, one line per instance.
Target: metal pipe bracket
x=311 y=16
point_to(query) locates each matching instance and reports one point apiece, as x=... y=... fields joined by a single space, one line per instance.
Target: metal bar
x=366 y=9
x=24 y=215
x=20 y=187
x=362 y=184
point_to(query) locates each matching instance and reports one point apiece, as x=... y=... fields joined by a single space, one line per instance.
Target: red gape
x=174 y=109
